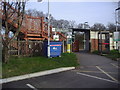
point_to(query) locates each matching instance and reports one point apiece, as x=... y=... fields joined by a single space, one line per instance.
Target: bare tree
x=11 y=11
x=62 y=23
x=35 y=13
x=72 y=23
x=111 y=27
x=80 y=25
x=54 y=22
x=98 y=27
x=59 y=23
x=83 y=26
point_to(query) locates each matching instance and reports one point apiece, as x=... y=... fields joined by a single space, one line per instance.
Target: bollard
x=68 y=48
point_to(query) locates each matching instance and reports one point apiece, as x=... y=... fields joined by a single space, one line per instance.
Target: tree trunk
x=5 y=54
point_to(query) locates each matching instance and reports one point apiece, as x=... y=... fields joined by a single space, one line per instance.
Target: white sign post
x=117 y=39
x=116 y=36
x=119 y=46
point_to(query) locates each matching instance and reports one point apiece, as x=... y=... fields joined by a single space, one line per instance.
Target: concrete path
x=94 y=72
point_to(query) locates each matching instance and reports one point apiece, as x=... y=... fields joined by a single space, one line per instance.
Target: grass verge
x=24 y=65
x=113 y=54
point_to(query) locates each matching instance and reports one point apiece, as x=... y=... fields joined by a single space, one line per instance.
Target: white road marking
x=95 y=66
x=29 y=85
x=107 y=74
x=97 y=77
x=115 y=65
x=95 y=71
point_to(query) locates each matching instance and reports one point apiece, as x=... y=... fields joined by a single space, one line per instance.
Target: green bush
x=95 y=52
x=114 y=54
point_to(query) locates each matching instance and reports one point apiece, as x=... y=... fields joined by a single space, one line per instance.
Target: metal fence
x=26 y=48
x=29 y=48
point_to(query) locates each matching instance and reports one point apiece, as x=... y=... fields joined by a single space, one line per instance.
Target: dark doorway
x=81 y=39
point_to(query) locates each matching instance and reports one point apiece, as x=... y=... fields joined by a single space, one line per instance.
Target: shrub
x=95 y=52
x=114 y=54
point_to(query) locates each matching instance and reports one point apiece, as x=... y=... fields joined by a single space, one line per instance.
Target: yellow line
x=107 y=74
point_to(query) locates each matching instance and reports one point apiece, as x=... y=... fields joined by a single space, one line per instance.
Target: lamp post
x=116 y=19
x=116 y=22
x=48 y=30
x=48 y=17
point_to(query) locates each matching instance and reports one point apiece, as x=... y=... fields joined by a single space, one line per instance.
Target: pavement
x=94 y=72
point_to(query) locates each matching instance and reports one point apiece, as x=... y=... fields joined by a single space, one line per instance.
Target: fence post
x=18 y=47
x=63 y=47
x=26 y=45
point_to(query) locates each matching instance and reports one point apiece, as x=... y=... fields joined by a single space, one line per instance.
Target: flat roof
x=78 y=29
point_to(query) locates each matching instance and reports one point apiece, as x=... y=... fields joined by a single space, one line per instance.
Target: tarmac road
x=94 y=72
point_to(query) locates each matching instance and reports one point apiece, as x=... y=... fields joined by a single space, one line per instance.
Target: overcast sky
x=91 y=12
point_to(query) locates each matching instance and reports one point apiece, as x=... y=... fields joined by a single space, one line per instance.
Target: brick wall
x=94 y=44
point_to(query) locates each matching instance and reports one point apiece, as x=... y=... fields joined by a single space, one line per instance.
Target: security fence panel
x=25 y=48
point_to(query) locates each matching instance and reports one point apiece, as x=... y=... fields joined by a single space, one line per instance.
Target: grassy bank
x=24 y=65
x=113 y=54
